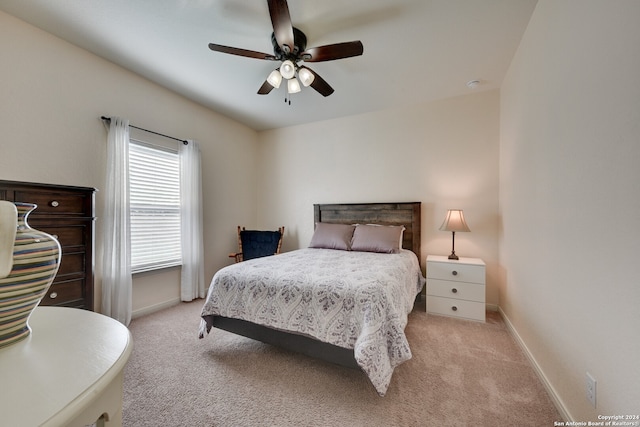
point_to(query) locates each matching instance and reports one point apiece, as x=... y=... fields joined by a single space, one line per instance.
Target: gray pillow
x=377 y=238
x=332 y=236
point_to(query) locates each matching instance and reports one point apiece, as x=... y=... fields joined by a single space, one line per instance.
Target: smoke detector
x=472 y=84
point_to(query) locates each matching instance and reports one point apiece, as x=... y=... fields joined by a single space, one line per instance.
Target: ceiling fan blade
x=265 y=88
x=282 y=27
x=241 y=52
x=331 y=52
x=319 y=84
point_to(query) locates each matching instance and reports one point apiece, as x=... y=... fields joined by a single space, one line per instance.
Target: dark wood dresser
x=66 y=213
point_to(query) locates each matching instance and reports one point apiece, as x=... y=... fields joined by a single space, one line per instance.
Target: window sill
x=155 y=269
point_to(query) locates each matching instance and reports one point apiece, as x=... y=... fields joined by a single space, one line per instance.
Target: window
x=154 y=184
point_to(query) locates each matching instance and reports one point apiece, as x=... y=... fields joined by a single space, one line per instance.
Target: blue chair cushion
x=256 y=244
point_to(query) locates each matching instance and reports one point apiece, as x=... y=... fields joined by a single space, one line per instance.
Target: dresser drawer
x=458 y=290
x=456 y=272
x=456 y=308
x=71 y=264
x=67 y=235
x=65 y=293
x=53 y=203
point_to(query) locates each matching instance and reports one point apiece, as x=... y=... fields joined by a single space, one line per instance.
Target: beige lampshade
x=454 y=221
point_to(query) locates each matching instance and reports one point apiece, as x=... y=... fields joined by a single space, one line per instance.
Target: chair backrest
x=256 y=244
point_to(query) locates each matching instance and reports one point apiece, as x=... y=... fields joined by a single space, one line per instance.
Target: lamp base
x=453 y=256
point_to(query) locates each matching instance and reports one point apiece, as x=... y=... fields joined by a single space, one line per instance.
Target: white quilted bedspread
x=355 y=300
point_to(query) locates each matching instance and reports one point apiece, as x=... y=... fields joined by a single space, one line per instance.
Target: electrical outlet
x=591 y=389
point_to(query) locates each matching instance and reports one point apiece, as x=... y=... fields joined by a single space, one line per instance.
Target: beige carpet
x=461 y=374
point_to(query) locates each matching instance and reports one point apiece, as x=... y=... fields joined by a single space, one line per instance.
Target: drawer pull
x=54 y=204
x=53 y=295
x=454 y=308
x=454 y=290
x=455 y=273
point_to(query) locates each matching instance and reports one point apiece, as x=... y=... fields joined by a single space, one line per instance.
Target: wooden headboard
x=407 y=214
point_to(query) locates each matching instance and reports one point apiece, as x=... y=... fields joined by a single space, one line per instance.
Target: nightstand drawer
x=456 y=272
x=459 y=290
x=456 y=308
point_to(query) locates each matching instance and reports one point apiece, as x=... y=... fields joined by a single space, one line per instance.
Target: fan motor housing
x=300 y=44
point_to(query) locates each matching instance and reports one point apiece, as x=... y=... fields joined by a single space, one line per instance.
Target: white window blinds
x=155 y=207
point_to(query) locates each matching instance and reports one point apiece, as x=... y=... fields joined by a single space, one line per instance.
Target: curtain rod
x=185 y=142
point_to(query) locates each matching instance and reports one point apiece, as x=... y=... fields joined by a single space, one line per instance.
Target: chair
x=256 y=244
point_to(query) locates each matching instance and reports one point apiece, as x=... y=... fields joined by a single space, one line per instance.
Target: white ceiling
x=414 y=50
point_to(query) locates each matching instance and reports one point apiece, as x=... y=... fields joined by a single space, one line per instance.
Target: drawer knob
x=54 y=203
x=454 y=290
x=53 y=295
x=454 y=308
x=455 y=273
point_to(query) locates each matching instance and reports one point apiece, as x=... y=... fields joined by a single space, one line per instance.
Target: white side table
x=456 y=287
x=68 y=372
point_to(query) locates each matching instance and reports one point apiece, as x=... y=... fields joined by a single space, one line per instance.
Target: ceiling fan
x=290 y=48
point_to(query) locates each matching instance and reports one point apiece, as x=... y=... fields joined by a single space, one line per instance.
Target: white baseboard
x=557 y=401
x=153 y=308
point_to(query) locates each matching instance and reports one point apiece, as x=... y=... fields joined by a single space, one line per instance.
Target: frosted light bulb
x=287 y=69
x=293 y=86
x=275 y=78
x=306 y=76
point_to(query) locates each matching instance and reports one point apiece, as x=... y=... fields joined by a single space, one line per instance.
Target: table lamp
x=454 y=222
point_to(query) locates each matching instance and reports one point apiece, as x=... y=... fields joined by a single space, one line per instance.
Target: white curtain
x=116 y=261
x=192 y=284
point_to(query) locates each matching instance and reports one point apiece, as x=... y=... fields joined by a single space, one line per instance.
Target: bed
x=344 y=306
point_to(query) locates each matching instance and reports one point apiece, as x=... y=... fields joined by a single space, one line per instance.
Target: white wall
x=443 y=154
x=569 y=169
x=51 y=97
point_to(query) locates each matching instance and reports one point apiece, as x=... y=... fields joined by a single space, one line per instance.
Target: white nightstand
x=456 y=287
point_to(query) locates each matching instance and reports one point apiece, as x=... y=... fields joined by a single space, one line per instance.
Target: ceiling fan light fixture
x=287 y=69
x=306 y=76
x=275 y=78
x=290 y=49
x=293 y=86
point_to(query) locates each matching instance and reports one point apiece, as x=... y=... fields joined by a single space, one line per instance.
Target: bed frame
x=407 y=214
